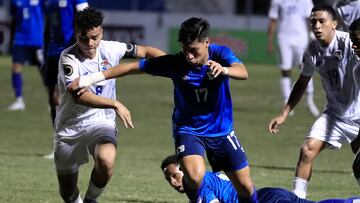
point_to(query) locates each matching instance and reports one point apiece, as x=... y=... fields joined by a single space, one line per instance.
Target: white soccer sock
x=93 y=192
x=285 y=85
x=78 y=200
x=299 y=187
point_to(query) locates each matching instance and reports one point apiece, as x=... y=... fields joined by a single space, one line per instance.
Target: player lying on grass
x=216 y=188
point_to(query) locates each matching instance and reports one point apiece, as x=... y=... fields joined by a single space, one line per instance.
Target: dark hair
x=193 y=29
x=88 y=18
x=355 y=25
x=327 y=8
x=172 y=159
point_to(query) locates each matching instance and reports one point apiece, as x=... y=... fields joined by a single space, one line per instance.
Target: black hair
x=193 y=29
x=172 y=159
x=327 y=8
x=88 y=18
x=355 y=25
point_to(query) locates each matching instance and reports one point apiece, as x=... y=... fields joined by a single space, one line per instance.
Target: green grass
x=26 y=136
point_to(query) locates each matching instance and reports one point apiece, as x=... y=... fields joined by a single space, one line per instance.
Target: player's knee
x=195 y=178
x=307 y=152
x=105 y=165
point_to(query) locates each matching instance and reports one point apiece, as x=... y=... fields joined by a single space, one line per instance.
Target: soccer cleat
x=19 y=104
x=49 y=156
x=312 y=108
x=86 y=200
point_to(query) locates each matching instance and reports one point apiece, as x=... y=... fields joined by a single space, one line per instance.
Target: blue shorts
x=26 y=54
x=224 y=153
x=279 y=195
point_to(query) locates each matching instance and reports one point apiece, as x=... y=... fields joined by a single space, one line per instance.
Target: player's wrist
x=225 y=71
x=88 y=80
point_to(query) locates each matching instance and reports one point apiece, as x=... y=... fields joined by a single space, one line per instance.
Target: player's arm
x=89 y=99
x=149 y=52
x=295 y=96
x=235 y=70
x=113 y=72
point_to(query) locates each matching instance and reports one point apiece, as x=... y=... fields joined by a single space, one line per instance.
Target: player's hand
x=275 y=122
x=74 y=87
x=215 y=68
x=124 y=114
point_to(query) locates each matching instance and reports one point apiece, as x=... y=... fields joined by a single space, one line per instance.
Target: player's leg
x=309 y=150
x=286 y=62
x=190 y=151
x=102 y=145
x=19 y=57
x=68 y=188
x=226 y=153
x=70 y=153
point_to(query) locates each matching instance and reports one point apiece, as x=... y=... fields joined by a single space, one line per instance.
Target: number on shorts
x=233 y=140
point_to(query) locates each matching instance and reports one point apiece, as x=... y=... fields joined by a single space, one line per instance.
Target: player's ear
x=207 y=41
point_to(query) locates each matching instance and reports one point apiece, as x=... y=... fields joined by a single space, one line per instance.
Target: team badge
x=105 y=65
x=338 y=55
x=180 y=149
x=68 y=70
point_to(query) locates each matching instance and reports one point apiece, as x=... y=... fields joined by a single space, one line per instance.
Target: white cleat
x=17 y=105
x=49 y=156
x=313 y=109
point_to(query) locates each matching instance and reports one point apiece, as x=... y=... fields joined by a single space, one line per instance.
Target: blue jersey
x=60 y=22
x=29 y=22
x=218 y=186
x=202 y=103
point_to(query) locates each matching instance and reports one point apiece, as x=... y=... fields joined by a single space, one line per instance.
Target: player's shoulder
x=69 y=54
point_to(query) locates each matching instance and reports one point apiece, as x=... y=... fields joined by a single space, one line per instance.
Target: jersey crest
x=338 y=55
x=104 y=65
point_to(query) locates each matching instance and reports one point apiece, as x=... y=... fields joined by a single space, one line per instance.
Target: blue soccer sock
x=332 y=201
x=17 y=84
x=253 y=198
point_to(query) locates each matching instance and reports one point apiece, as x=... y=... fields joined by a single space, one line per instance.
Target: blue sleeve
x=223 y=55
x=160 y=66
x=207 y=195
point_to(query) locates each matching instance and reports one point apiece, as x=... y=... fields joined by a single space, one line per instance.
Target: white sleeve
x=308 y=65
x=274 y=10
x=68 y=68
x=81 y=6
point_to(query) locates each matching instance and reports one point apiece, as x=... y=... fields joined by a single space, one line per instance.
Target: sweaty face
x=355 y=38
x=174 y=176
x=196 y=53
x=88 y=41
x=323 y=26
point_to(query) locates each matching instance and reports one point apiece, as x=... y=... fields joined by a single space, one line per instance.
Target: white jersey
x=349 y=12
x=336 y=65
x=291 y=16
x=71 y=117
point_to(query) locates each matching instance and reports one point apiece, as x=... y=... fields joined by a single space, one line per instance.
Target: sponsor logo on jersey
x=104 y=65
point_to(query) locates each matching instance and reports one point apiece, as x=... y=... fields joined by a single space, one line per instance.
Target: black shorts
x=51 y=70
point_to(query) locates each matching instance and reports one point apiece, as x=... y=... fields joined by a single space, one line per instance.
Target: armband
x=131 y=51
x=88 y=80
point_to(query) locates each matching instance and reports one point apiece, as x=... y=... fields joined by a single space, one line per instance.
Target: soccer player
x=332 y=56
x=202 y=117
x=59 y=35
x=349 y=11
x=28 y=28
x=216 y=187
x=290 y=18
x=86 y=123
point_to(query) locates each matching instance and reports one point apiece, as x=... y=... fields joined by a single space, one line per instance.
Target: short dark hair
x=172 y=159
x=193 y=29
x=327 y=8
x=355 y=25
x=88 y=18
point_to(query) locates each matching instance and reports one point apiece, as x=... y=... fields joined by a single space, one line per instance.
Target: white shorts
x=291 y=52
x=333 y=130
x=73 y=151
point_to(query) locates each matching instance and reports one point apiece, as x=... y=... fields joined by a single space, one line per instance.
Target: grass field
x=25 y=136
